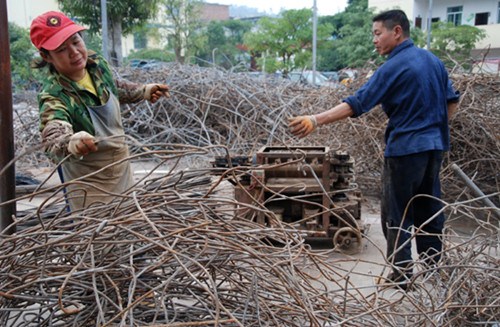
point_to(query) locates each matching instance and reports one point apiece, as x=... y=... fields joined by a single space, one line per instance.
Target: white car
x=306 y=77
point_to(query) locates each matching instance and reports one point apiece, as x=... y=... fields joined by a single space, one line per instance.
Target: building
x=484 y=14
x=22 y=12
x=214 y=11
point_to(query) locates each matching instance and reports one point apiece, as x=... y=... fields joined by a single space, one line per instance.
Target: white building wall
x=420 y=8
x=492 y=39
x=383 y=5
x=470 y=8
x=22 y=12
x=127 y=45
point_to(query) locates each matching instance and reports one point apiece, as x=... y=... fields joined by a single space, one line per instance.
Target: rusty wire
x=170 y=252
x=213 y=107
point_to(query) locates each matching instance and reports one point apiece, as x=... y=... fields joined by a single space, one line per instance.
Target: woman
x=80 y=112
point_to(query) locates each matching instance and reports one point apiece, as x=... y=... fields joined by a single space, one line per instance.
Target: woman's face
x=70 y=58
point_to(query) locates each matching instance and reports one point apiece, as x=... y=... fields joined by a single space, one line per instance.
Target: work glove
x=152 y=92
x=81 y=143
x=302 y=126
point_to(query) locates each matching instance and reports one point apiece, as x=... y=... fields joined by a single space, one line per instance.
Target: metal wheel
x=345 y=237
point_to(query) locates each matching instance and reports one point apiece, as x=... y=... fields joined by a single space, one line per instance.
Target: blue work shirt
x=414 y=90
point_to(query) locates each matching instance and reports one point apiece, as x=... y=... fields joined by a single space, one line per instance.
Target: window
x=482 y=18
x=140 y=40
x=418 y=22
x=455 y=15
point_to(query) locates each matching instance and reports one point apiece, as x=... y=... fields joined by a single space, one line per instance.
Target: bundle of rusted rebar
x=173 y=252
x=209 y=107
x=212 y=107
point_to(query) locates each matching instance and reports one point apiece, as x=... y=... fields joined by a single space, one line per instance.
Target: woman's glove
x=302 y=126
x=81 y=143
x=152 y=92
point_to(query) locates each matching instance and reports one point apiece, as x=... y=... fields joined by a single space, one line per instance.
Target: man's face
x=70 y=58
x=385 y=40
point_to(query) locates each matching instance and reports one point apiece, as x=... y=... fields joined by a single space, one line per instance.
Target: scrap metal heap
x=311 y=188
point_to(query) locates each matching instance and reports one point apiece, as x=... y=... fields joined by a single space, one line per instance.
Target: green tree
x=152 y=54
x=183 y=19
x=352 y=44
x=328 y=58
x=224 y=46
x=453 y=44
x=288 y=38
x=123 y=17
x=215 y=40
x=21 y=54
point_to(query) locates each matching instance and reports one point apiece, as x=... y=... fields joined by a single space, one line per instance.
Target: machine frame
x=311 y=188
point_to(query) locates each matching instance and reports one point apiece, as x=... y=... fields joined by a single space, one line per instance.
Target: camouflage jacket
x=63 y=103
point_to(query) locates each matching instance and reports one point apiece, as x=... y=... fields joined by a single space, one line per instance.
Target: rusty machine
x=311 y=188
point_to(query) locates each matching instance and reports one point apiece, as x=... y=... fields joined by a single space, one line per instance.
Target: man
x=416 y=94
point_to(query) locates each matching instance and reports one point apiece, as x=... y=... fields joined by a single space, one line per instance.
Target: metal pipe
x=104 y=29
x=429 y=26
x=476 y=190
x=8 y=178
x=315 y=27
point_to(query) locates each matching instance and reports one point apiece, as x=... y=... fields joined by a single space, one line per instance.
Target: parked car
x=254 y=74
x=262 y=76
x=306 y=77
x=332 y=76
x=145 y=63
x=138 y=63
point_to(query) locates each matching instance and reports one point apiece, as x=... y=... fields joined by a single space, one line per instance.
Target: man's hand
x=452 y=109
x=153 y=92
x=81 y=143
x=302 y=126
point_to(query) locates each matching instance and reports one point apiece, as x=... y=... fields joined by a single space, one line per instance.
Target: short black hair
x=391 y=18
x=38 y=63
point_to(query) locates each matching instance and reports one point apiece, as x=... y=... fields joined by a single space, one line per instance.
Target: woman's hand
x=81 y=143
x=153 y=92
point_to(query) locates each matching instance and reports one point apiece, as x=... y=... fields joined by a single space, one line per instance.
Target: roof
x=491 y=53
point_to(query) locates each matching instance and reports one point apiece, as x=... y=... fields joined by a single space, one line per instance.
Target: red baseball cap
x=51 y=29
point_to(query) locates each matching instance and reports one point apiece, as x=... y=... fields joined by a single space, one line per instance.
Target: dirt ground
x=362 y=263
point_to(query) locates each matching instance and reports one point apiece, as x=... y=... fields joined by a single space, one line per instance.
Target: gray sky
x=325 y=7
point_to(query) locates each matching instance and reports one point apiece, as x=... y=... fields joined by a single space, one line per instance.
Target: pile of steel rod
x=210 y=107
x=172 y=250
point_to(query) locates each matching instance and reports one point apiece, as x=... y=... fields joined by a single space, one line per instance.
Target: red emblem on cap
x=53 y=21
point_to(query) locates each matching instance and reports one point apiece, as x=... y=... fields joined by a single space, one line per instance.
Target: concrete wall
x=22 y=12
x=470 y=8
x=382 y=5
x=420 y=8
x=413 y=8
x=492 y=37
x=212 y=11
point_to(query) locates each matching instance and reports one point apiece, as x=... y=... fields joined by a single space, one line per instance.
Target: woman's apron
x=116 y=178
